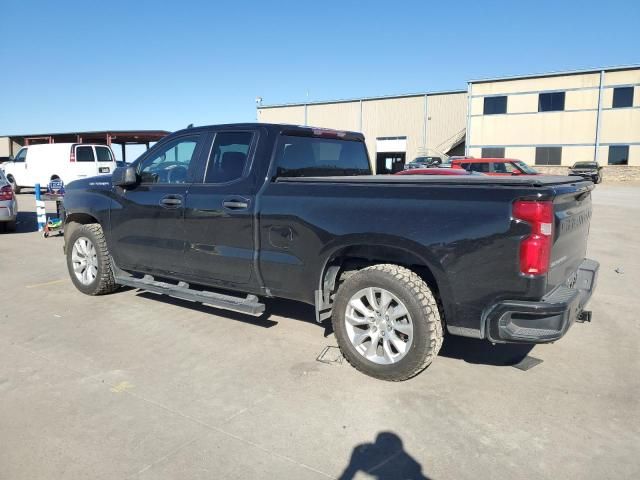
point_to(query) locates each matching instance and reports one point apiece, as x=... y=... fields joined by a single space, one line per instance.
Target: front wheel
x=387 y=323
x=89 y=262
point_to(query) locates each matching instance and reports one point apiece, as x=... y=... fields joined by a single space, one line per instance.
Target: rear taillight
x=535 y=249
x=72 y=154
x=6 y=193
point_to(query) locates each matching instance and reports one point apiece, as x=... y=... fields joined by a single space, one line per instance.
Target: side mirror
x=124 y=176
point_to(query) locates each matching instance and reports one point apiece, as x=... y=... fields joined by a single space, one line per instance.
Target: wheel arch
x=73 y=221
x=356 y=256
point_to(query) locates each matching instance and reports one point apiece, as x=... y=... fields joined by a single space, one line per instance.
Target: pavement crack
x=165 y=456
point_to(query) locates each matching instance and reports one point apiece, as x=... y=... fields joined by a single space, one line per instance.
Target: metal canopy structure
x=106 y=137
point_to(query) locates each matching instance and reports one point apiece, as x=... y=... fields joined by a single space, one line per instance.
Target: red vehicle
x=494 y=166
x=434 y=171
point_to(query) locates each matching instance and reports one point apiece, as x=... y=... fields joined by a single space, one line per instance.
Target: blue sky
x=147 y=65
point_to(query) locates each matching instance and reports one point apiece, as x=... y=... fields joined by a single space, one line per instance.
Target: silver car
x=8 y=205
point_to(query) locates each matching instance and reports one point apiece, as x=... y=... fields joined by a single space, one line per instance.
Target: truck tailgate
x=572 y=210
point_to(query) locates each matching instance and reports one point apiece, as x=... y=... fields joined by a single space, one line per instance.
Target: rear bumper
x=546 y=320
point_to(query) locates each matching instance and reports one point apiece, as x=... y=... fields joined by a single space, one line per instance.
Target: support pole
x=596 y=153
x=426 y=124
x=41 y=212
x=468 y=132
x=124 y=152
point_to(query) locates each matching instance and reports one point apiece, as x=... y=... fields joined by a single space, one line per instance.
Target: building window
x=495 y=105
x=551 y=102
x=548 y=155
x=622 y=97
x=619 y=155
x=492 y=152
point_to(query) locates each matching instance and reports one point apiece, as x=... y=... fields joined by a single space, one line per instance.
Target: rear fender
x=361 y=252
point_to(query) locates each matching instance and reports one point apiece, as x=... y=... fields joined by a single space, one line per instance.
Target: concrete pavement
x=133 y=385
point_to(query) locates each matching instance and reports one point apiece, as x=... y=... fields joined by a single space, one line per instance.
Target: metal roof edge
x=557 y=73
x=363 y=99
x=91 y=132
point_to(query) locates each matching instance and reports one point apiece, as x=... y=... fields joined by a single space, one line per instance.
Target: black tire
x=104 y=281
x=10 y=226
x=14 y=185
x=421 y=305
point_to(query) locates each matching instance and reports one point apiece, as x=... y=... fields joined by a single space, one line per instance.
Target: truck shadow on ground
x=477 y=351
x=470 y=350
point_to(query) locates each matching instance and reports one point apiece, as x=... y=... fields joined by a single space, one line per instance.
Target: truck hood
x=100 y=182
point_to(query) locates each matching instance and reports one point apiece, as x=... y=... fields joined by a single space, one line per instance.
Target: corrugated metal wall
x=447 y=117
x=341 y=116
x=291 y=114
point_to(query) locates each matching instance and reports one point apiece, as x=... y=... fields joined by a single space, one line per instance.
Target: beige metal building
x=559 y=118
x=8 y=147
x=396 y=128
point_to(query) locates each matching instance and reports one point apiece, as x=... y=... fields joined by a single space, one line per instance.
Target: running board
x=249 y=305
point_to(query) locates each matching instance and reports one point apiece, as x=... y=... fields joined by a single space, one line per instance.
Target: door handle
x=172 y=201
x=237 y=203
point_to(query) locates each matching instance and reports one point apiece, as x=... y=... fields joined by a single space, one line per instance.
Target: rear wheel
x=89 y=262
x=10 y=226
x=387 y=322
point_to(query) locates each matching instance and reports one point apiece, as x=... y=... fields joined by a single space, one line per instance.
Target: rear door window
x=299 y=156
x=84 y=154
x=228 y=157
x=104 y=154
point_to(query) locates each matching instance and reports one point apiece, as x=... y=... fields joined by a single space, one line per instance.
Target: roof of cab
x=276 y=127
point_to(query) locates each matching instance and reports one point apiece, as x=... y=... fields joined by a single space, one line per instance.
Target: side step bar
x=249 y=305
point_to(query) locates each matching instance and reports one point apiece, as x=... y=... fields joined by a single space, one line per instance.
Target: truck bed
x=516 y=181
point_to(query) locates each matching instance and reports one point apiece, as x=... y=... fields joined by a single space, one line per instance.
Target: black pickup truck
x=227 y=215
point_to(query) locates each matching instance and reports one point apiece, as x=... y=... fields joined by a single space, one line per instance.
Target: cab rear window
x=298 y=156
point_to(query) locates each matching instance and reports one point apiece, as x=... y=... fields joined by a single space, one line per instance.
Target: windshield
x=585 y=165
x=526 y=168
